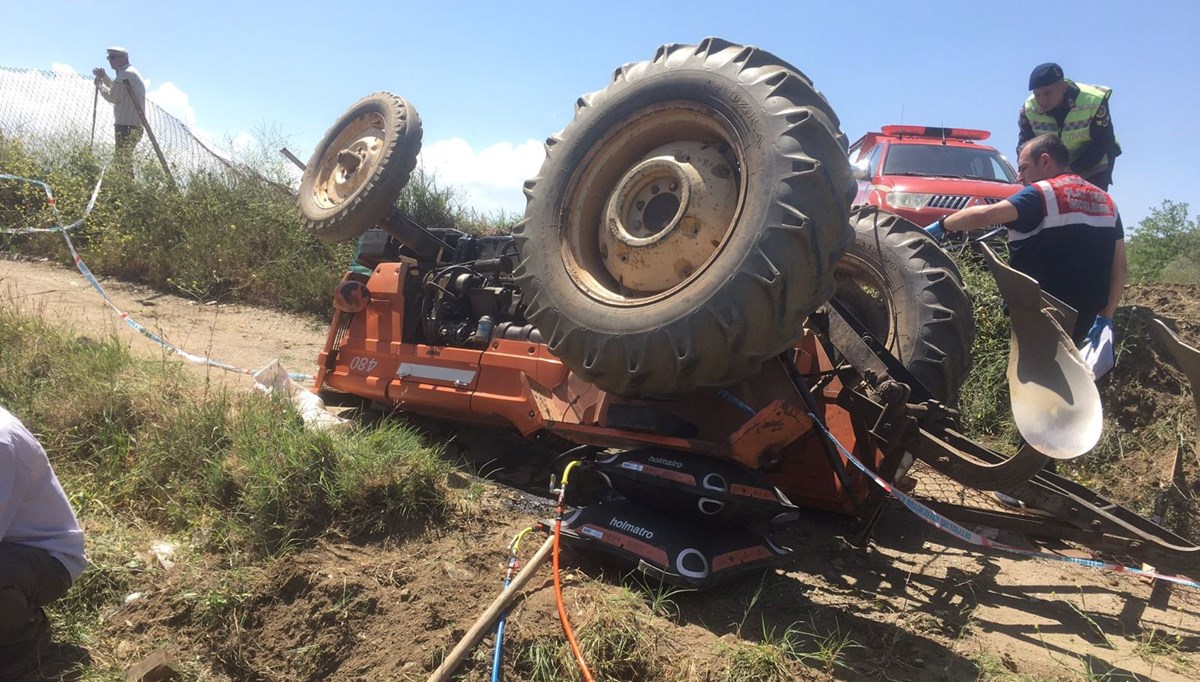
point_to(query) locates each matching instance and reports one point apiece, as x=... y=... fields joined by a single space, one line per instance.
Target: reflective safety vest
x=1070 y=250
x=1076 y=131
x=1071 y=201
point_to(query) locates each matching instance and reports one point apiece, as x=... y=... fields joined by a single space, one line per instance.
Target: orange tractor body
x=520 y=384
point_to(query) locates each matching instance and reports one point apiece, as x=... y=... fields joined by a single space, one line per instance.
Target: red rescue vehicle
x=924 y=173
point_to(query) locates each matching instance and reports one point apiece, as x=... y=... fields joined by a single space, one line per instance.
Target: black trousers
x=29 y=579
x=1103 y=179
x=127 y=137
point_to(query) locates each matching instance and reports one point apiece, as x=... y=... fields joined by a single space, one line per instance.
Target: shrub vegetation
x=229 y=236
x=1165 y=246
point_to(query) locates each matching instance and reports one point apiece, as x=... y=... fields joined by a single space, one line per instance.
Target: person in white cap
x=127 y=93
x=41 y=545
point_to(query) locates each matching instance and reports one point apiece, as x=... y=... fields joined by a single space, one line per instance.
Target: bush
x=1165 y=247
x=984 y=399
x=231 y=236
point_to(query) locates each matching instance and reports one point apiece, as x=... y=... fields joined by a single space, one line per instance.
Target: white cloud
x=63 y=69
x=174 y=101
x=490 y=179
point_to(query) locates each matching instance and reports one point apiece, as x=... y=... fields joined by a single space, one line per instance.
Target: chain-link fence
x=46 y=105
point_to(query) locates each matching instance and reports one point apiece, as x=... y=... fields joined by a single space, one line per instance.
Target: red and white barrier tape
x=53 y=207
x=87 y=274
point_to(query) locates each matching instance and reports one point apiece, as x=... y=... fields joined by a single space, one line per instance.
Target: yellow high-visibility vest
x=1076 y=131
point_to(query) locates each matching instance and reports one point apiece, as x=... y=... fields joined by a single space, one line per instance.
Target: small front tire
x=909 y=294
x=359 y=168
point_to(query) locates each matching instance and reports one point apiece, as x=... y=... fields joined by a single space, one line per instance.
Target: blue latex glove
x=937 y=230
x=1098 y=326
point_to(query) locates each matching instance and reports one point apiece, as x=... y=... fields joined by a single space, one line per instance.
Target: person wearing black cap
x=1078 y=114
x=127 y=93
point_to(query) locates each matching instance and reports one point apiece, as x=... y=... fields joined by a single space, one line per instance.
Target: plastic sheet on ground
x=275 y=379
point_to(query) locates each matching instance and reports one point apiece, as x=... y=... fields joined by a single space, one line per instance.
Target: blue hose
x=499 y=653
x=508 y=575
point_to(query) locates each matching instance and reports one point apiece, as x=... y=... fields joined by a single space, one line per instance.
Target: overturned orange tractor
x=692 y=306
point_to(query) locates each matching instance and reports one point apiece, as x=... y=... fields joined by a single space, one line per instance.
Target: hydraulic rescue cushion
x=705 y=489
x=672 y=549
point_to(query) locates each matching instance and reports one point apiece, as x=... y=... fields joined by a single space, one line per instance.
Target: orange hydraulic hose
x=558 y=596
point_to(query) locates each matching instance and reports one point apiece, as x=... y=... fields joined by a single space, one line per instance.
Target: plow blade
x=1055 y=403
x=1188 y=359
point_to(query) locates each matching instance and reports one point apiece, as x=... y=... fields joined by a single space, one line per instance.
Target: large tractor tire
x=908 y=292
x=686 y=221
x=357 y=171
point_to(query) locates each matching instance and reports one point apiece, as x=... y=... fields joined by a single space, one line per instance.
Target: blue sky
x=492 y=80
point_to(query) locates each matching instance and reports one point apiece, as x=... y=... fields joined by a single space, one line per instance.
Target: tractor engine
x=469 y=297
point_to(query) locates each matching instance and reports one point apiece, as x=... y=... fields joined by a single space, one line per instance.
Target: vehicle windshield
x=946 y=161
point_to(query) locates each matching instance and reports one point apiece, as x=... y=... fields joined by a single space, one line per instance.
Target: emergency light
x=936 y=133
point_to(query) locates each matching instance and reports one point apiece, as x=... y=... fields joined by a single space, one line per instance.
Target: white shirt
x=115 y=91
x=34 y=510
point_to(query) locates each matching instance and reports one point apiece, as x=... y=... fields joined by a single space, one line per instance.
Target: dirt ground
x=237 y=335
x=914 y=605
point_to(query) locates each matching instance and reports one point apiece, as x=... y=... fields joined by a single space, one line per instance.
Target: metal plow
x=1056 y=409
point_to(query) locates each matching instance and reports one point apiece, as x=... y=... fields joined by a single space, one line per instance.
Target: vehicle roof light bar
x=937 y=133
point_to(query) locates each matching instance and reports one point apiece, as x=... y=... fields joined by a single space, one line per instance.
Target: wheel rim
x=862 y=288
x=350 y=160
x=653 y=205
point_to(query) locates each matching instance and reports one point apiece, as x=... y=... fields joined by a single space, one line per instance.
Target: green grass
x=228 y=237
x=128 y=435
x=1153 y=643
x=541 y=659
x=772 y=651
x=772 y=655
x=984 y=400
x=146 y=452
x=614 y=647
x=658 y=595
x=751 y=604
x=618 y=640
x=823 y=649
x=761 y=662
